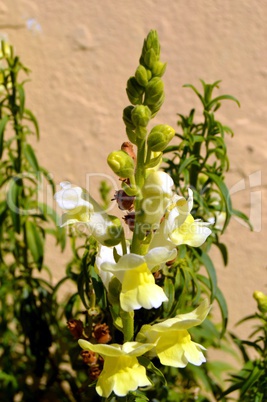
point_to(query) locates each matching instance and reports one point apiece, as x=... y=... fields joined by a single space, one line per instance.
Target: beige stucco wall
x=82 y=53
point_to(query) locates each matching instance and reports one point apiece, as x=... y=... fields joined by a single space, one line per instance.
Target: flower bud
x=141 y=115
x=131 y=135
x=121 y=164
x=150 y=58
x=114 y=289
x=134 y=91
x=127 y=117
x=154 y=91
x=142 y=75
x=159 y=137
x=114 y=232
x=158 y=69
x=261 y=299
x=150 y=43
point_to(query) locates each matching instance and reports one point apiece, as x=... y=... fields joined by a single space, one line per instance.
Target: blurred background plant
x=34 y=338
x=39 y=355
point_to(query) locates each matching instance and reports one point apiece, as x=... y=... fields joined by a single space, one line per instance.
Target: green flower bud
x=154 y=91
x=151 y=42
x=134 y=91
x=141 y=132
x=114 y=289
x=159 y=137
x=155 y=108
x=127 y=117
x=158 y=69
x=141 y=115
x=121 y=164
x=114 y=232
x=142 y=75
x=131 y=135
x=150 y=58
x=261 y=299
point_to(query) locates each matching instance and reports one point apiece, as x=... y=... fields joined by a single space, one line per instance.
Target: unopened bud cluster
x=145 y=89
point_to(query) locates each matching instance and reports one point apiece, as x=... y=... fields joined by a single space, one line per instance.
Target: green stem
x=128 y=325
x=140 y=179
x=123 y=243
x=196 y=152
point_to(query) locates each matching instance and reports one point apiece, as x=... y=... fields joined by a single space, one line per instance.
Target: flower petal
x=146 y=296
x=159 y=255
x=191 y=232
x=113 y=350
x=193 y=353
x=185 y=321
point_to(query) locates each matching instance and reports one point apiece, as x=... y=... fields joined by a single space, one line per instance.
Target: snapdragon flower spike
x=179 y=227
x=138 y=283
x=173 y=344
x=82 y=208
x=121 y=372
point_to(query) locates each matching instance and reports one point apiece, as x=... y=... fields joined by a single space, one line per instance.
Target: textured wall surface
x=82 y=53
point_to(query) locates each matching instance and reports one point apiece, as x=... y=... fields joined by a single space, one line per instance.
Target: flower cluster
x=160 y=221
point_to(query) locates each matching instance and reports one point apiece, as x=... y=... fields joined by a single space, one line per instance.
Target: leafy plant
x=30 y=317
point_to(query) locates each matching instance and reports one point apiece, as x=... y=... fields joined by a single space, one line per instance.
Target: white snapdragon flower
x=80 y=207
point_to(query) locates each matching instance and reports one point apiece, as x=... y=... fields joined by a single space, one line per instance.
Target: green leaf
x=153 y=162
x=187 y=162
x=13 y=201
x=196 y=92
x=219 y=98
x=30 y=116
x=169 y=290
x=151 y=367
x=31 y=158
x=242 y=216
x=35 y=242
x=207 y=262
x=3 y=123
x=82 y=293
x=225 y=196
x=223 y=250
x=221 y=302
x=224 y=309
x=21 y=99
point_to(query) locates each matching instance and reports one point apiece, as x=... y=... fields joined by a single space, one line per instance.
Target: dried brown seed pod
x=125 y=202
x=89 y=357
x=130 y=220
x=75 y=327
x=128 y=148
x=101 y=333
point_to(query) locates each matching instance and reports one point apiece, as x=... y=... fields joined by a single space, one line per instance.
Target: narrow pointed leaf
x=3 y=123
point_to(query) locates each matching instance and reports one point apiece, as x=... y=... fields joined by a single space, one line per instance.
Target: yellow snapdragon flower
x=179 y=227
x=122 y=372
x=135 y=274
x=156 y=192
x=173 y=344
